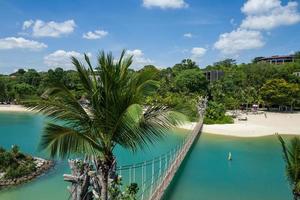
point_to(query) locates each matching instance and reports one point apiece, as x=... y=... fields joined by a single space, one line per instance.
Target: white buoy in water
x=229 y=156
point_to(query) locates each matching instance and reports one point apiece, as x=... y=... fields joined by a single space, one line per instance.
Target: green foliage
x=114 y=116
x=226 y=63
x=291 y=156
x=215 y=114
x=185 y=65
x=297 y=56
x=186 y=104
x=115 y=113
x=242 y=85
x=257 y=59
x=130 y=192
x=3 y=90
x=280 y=92
x=15 y=164
x=191 y=81
x=31 y=77
x=151 y=69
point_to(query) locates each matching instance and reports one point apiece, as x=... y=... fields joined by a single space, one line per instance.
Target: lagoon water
x=256 y=172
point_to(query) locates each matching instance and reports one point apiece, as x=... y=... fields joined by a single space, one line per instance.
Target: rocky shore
x=42 y=166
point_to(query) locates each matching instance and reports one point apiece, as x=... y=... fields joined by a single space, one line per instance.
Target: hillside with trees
x=268 y=85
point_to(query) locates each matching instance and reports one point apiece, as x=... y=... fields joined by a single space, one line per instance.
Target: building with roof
x=277 y=59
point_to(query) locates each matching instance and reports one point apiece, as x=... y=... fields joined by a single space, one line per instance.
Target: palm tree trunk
x=105 y=167
x=104 y=185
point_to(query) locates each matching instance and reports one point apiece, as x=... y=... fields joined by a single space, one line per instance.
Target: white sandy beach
x=257 y=125
x=13 y=108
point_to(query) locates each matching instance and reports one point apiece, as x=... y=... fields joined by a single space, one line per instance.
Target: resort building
x=277 y=59
x=213 y=75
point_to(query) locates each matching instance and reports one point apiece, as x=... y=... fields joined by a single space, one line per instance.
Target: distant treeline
x=242 y=85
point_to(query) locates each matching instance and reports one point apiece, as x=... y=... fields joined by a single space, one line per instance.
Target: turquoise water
x=256 y=172
x=25 y=130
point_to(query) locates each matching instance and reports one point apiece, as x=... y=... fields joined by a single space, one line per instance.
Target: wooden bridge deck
x=159 y=191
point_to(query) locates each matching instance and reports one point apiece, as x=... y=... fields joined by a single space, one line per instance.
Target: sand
x=13 y=108
x=257 y=125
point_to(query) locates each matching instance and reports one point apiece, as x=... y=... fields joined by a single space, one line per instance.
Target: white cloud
x=27 y=24
x=197 y=53
x=269 y=14
x=139 y=60
x=260 y=15
x=61 y=58
x=188 y=35
x=259 y=6
x=40 y=28
x=20 y=43
x=239 y=40
x=93 y=35
x=165 y=4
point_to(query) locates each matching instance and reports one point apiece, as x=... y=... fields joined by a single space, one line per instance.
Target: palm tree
x=291 y=155
x=114 y=116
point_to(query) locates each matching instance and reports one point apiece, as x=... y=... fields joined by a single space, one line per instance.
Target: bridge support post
x=152 y=179
x=134 y=173
x=143 y=189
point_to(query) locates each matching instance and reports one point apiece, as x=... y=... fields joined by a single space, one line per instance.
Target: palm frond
x=84 y=75
x=63 y=141
x=284 y=150
x=291 y=155
x=116 y=114
x=139 y=127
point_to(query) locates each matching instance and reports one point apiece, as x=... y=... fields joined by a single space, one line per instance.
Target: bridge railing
x=154 y=176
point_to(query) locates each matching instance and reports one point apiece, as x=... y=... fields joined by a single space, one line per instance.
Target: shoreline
x=13 y=108
x=257 y=125
x=42 y=167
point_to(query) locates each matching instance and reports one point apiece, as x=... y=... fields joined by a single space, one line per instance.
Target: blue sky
x=44 y=34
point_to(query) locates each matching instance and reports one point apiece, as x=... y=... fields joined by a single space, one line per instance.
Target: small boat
x=229 y=156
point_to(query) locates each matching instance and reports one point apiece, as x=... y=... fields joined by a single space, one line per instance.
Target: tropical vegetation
x=268 y=85
x=291 y=156
x=114 y=115
x=15 y=164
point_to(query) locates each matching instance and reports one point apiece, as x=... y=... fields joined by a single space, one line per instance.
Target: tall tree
x=115 y=115
x=291 y=155
x=280 y=92
x=257 y=59
x=3 y=90
x=191 y=81
x=184 y=65
x=31 y=77
x=226 y=63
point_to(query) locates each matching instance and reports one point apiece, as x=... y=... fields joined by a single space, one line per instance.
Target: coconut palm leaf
x=115 y=115
x=291 y=155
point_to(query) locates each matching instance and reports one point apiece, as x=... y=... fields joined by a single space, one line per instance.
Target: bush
x=15 y=164
x=225 y=120
x=215 y=114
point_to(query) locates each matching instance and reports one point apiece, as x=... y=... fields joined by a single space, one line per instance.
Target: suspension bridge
x=152 y=176
x=155 y=175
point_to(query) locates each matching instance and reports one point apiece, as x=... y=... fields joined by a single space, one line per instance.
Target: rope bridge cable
x=155 y=175
x=165 y=164
x=162 y=168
